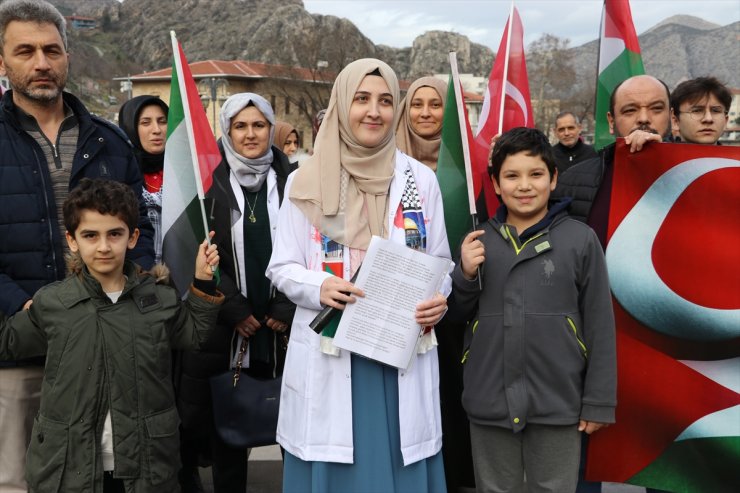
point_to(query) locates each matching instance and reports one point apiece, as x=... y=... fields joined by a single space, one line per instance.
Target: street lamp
x=210 y=85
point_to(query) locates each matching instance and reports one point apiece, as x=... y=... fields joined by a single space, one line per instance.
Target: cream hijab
x=343 y=188
x=420 y=148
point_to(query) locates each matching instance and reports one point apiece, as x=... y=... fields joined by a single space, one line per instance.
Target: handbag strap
x=239 y=358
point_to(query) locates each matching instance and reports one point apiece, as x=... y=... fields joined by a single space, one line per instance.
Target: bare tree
x=550 y=74
x=308 y=87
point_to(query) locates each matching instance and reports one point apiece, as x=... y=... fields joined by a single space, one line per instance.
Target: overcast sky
x=397 y=22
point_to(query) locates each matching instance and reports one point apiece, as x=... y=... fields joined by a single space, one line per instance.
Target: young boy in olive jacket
x=541 y=362
x=107 y=421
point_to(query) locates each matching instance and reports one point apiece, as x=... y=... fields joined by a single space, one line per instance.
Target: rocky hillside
x=134 y=37
x=281 y=32
x=679 y=48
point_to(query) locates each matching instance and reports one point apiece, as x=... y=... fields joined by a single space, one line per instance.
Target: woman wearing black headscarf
x=144 y=120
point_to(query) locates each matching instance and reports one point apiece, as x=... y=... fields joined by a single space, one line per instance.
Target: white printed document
x=395 y=279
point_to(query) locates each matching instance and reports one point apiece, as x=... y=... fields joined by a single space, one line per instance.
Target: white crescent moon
x=632 y=275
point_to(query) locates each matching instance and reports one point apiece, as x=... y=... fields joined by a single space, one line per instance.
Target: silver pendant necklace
x=252 y=218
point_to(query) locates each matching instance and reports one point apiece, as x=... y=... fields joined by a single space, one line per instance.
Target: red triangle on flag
x=651 y=411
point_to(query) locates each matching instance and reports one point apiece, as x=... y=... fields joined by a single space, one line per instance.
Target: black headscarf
x=128 y=120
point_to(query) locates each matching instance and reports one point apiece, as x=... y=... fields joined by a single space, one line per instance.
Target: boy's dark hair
x=37 y=11
x=104 y=196
x=519 y=139
x=695 y=89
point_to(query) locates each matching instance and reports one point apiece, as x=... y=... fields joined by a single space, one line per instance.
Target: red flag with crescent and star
x=674 y=271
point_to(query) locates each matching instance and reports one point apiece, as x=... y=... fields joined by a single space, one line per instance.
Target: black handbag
x=245 y=409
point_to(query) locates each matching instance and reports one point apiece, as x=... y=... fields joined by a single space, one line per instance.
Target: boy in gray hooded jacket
x=541 y=361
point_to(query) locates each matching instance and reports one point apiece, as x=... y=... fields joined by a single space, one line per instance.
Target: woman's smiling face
x=250 y=133
x=371 y=112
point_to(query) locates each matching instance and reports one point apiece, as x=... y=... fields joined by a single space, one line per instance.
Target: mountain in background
x=679 y=48
x=134 y=37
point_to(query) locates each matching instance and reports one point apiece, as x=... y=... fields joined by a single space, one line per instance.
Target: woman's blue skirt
x=378 y=464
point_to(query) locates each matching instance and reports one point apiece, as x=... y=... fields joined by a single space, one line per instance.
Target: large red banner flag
x=506 y=104
x=674 y=227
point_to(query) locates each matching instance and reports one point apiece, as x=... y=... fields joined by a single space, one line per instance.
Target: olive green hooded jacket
x=102 y=356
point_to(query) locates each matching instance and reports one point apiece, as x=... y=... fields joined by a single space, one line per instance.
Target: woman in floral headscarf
x=348 y=423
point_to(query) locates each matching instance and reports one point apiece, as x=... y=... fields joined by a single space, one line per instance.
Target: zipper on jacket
x=467 y=350
x=46 y=202
x=578 y=338
x=518 y=249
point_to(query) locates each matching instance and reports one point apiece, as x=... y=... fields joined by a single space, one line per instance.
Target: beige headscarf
x=348 y=209
x=282 y=130
x=420 y=148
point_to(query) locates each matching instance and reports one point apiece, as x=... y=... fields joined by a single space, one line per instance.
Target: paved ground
x=266 y=474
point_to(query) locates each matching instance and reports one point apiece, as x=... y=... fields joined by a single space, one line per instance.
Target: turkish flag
x=509 y=79
x=674 y=271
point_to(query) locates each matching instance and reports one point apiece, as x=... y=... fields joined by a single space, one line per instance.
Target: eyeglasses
x=698 y=112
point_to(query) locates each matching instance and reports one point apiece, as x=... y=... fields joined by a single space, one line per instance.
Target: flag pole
x=462 y=123
x=598 y=66
x=505 y=79
x=189 y=127
x=463 y=134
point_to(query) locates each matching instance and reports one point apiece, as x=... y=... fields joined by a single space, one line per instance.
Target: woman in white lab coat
x=348 y=423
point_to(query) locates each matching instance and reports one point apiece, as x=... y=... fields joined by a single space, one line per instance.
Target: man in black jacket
x=570 y=149
x=640 y=112
x=48 y=142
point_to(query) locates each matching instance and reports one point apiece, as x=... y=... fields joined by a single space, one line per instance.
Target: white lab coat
x=315 y=421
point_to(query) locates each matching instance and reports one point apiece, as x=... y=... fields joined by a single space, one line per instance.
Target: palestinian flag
x=451 y=174
x=619 y=59
x=674 y=227
x=191 y=155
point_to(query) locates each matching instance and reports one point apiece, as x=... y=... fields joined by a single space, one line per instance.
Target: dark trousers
x=229 y=467
x=456 y=453
x=111 y=485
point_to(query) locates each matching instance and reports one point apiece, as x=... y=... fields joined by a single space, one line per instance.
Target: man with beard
x=639 y=111
x=48 y=143
x=570 y=149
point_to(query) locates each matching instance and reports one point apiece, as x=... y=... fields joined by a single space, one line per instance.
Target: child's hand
x=429 y=312
x=472 y=254
x=590 y=426
x=206 y=260
x=494 y=139
x=336 y=292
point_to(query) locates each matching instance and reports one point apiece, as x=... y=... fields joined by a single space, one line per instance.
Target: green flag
x=451 y=175
x=619 y=59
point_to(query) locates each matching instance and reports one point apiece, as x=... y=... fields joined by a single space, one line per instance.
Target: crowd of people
x=104 y=370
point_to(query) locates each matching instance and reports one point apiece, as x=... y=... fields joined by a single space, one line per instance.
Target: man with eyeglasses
x=700 y=107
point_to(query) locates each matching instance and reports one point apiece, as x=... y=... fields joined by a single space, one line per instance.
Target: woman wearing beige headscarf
x=286 y=139
x=419 y=130
x=419 y=134
x=348 y=423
